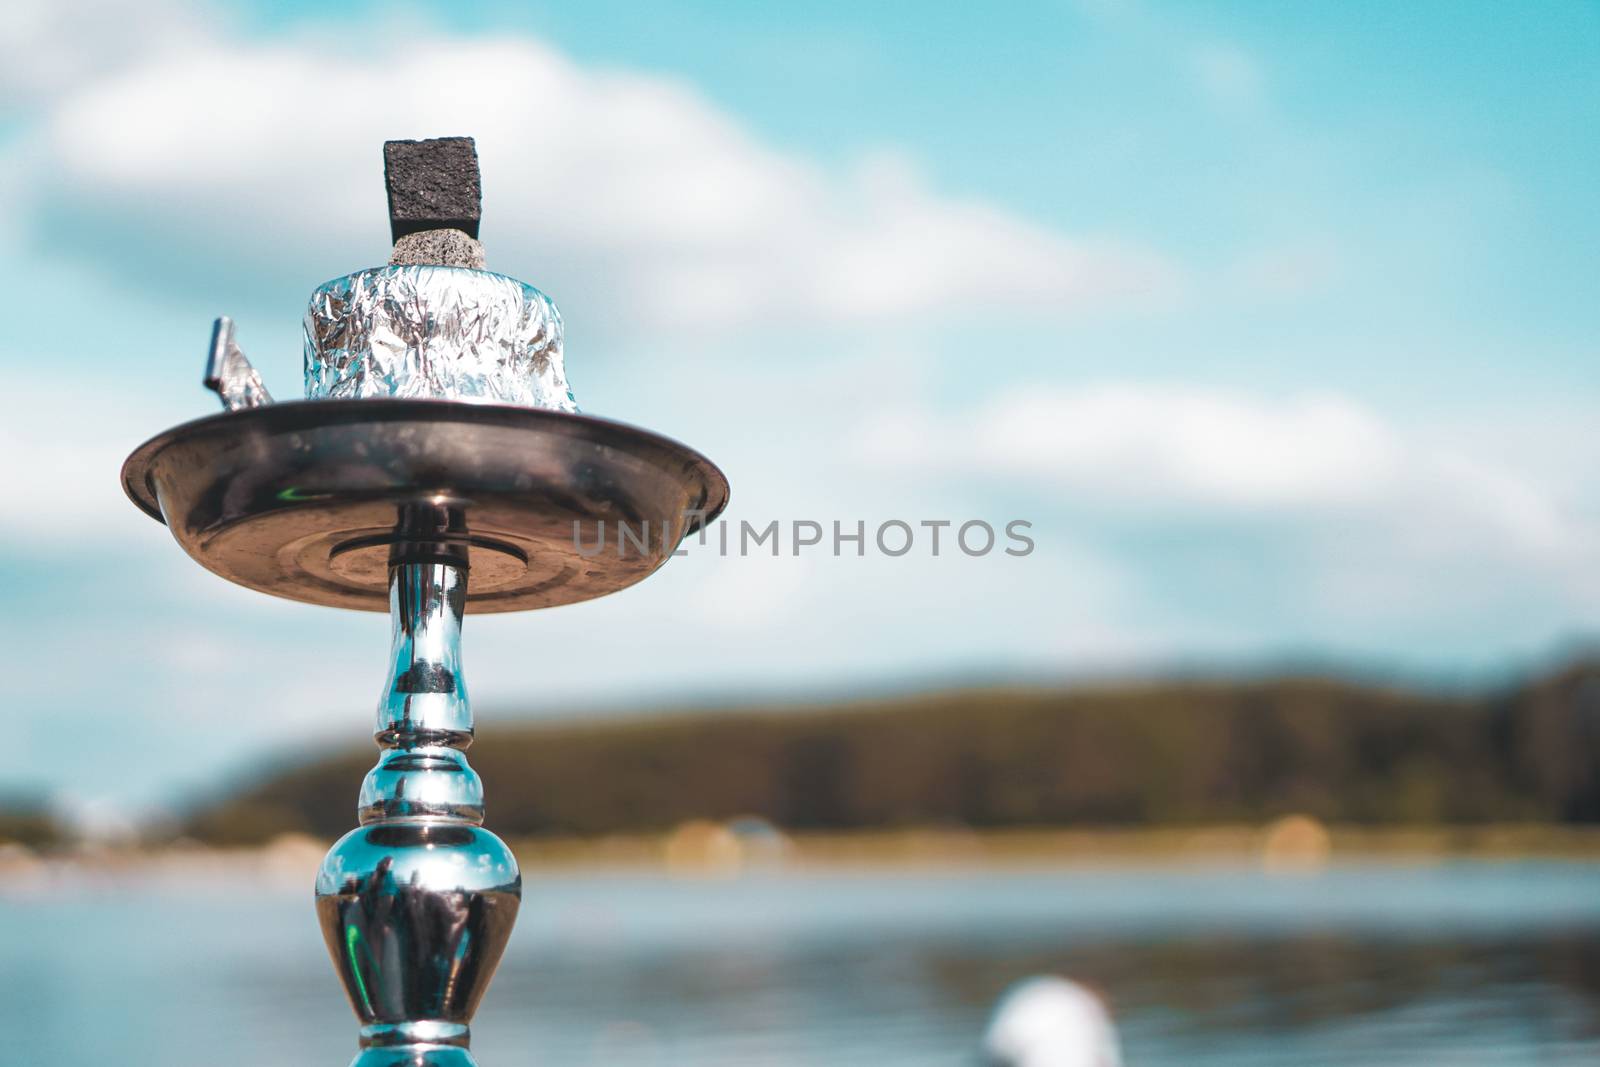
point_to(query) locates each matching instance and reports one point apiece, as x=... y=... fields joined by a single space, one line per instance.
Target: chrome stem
x=417 y=904
x=424 y=720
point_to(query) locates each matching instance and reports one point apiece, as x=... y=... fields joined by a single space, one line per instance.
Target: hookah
x=437 y=466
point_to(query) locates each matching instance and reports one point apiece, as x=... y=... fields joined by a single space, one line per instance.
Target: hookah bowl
x=438 y=467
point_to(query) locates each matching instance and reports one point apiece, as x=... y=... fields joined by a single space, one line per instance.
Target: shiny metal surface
x=304 y=499
x=427 y=330
x=416 y=905
x=424 y=720
x=229 y=374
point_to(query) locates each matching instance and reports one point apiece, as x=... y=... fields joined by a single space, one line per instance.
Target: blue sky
x=1276 y=321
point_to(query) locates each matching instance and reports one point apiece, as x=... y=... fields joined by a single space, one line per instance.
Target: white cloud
x=46 y=47
x=1319 y=456
x=66 y=442
x=1137 y=443
x=232 y=155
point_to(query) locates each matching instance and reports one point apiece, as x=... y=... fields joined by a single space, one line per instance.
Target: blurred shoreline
x=1292 y=846
x=1145 y=761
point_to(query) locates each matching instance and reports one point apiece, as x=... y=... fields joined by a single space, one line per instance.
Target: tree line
x=1159 y=753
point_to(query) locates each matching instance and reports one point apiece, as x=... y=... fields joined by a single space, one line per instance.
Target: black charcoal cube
x=433 y=185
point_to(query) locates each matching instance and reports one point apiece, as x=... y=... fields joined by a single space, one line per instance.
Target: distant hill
x=25 y=820
x=1167 y=753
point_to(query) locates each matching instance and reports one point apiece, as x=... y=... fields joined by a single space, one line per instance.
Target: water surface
x=1457 y=964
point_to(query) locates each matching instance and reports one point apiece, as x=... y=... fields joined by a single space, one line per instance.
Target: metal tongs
x=230 y=374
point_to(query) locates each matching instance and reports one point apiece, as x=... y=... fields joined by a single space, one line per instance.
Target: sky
x=1277 y=323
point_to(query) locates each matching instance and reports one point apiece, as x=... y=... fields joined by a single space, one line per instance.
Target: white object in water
x=1051 y=1022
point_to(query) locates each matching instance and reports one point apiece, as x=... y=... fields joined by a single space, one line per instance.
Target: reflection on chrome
x=416 y=905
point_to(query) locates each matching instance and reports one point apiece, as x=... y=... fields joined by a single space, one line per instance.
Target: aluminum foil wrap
x=427 y=331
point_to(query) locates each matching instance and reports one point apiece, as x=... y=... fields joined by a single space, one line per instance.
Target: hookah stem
x=424 y=717
x=417 y=904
